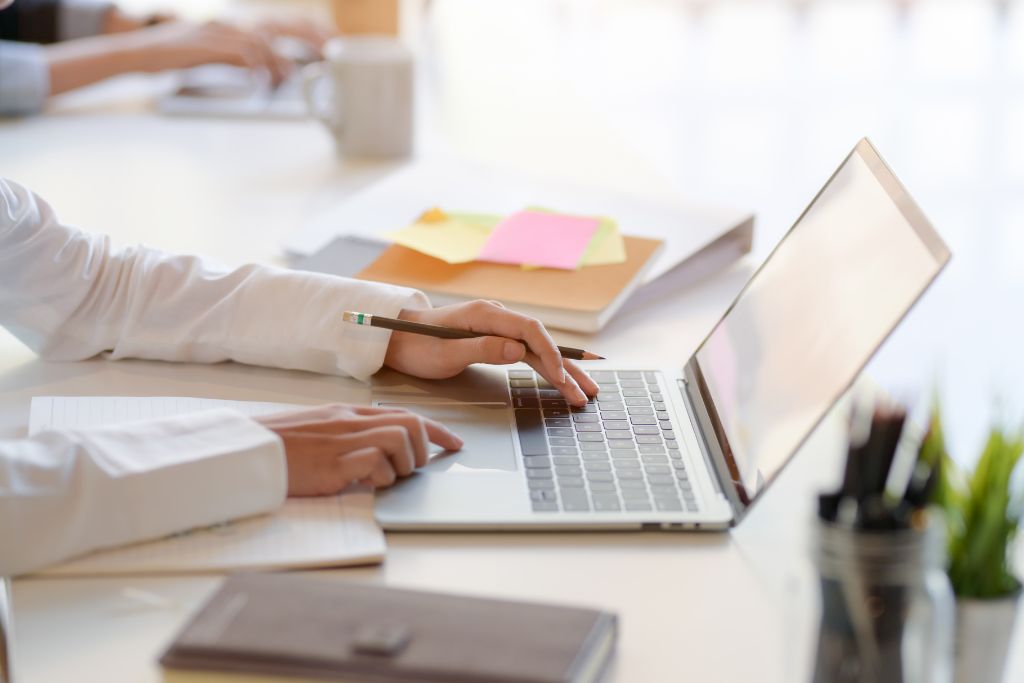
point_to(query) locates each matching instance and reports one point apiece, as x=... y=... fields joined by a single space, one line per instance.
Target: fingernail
x=513 y=351
x=457 y=440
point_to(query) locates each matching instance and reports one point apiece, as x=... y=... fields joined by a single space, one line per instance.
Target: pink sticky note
x=549 y=240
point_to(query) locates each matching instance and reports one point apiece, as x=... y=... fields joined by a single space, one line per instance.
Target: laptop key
x=633 y=401
x=634 y=392
x=669 y=505
x=643 y=419
x=626 y=475
x=541 y=494
x=520 y=374
x=603 y=486
x=592 y=446
x=539 y=473
x=616 y=424
x=545 y=506
x=610 y=405
x=632 y=483
x=640 y=429
x=663 y=415
x=568 y=470
x=550 y=393
x=658 y=405
x=575 y=506
x=651 y=377
x=564 y=450
x=637 y=506
x=526 y=403
x=554 y=404
x=654 y=459
x=646 y=438
x=629 y=374
x=606 y=503
x=613 y=415
x=661 y=479
x=640 y=410
x=590 y=437
x=588 y=427
x=632 y=384
x=565 y=483
x=623 y=464
x=521 y=383
x=588 y=408
x=650 y=448
x=535 y=461
x=562 y=441
x=557 y=422
x=560 y=431
x=602 y=376
x=525 y=393
x=531 y=432
x=627 y=454
x=633 y=493
x=566 y=460
x=657 y=469
x=535 y=484
x=595 y=456
x=586 y=417
x=600 y=476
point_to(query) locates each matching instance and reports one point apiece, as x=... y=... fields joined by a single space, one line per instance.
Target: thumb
x=491 y=350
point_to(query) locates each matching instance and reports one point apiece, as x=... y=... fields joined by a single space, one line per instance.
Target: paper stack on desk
x=303 y=533
x=532 y=238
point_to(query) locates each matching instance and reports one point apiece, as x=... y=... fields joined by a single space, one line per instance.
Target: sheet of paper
x=453 y=238
x=309 y=532
x=607 y=247
x=540 y=239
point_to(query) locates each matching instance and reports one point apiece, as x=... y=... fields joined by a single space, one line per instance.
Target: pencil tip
x=587 y=355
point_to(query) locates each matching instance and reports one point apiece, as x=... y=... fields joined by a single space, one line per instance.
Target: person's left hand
x=516 y=338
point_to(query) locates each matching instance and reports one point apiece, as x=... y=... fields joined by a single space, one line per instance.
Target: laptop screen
x=812 y=316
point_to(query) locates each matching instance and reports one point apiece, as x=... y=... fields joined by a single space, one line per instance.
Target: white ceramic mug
x=363 y=92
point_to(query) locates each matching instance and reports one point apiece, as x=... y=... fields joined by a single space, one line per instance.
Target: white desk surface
x=713 y=607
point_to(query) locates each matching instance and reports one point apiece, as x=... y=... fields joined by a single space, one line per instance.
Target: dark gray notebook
x=298 y=625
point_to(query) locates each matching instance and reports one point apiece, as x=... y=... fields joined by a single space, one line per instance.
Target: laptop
x=696 y=444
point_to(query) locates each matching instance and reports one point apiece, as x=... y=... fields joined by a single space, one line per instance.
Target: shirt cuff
x=24 y=78
x=82 y=18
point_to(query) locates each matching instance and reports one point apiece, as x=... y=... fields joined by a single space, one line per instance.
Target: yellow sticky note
x=451 y=237
x=606 y=246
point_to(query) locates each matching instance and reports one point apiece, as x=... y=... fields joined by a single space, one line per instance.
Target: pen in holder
x=886 y=605
x=6 y=669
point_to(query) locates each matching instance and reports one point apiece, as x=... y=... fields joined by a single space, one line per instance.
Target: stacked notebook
x=671 y=245
x=289 y=627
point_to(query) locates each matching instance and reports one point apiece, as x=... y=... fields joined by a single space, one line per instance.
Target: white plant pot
x=983 y=631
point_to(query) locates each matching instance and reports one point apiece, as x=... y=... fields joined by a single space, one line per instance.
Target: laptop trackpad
x=486 y=428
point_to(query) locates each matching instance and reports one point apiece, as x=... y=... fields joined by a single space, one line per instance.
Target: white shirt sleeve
x=66 y=493
x=24 y=78
x=68 y=295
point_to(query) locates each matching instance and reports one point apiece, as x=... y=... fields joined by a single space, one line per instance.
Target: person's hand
x=329 y=447
x=179 y=45
x=516 y=338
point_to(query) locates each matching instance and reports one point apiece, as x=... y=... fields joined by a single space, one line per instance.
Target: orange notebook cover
x=588 y=289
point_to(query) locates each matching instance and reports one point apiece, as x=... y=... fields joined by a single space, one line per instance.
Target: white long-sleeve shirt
x=69 y=295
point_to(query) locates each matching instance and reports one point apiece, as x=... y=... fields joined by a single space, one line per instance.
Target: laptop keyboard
x=619 y=452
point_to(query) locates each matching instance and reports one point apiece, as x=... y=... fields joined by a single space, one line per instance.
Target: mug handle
x=312 y=74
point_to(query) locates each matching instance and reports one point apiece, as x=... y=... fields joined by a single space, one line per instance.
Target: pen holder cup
x=887 y=608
